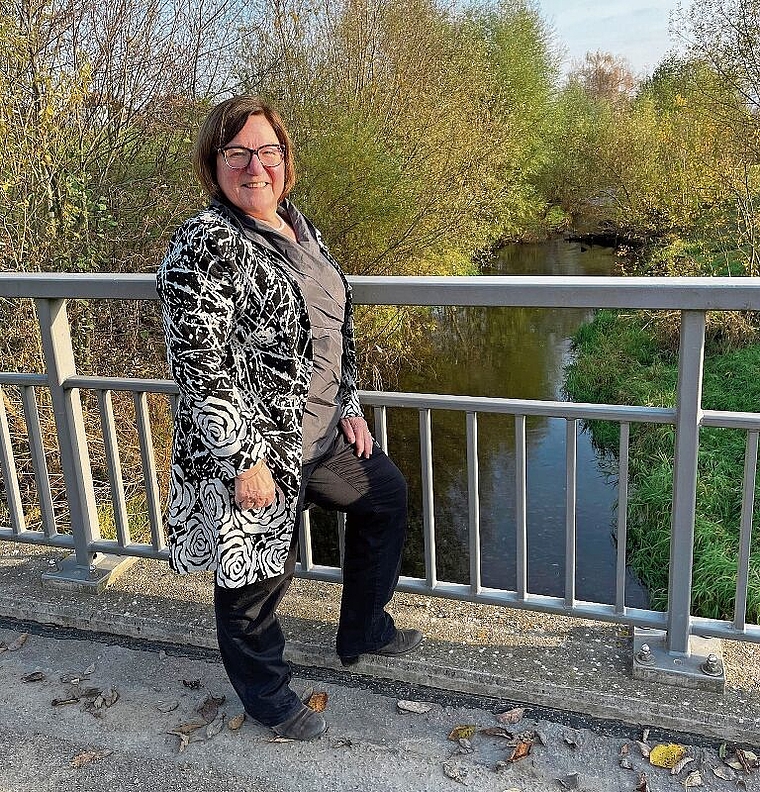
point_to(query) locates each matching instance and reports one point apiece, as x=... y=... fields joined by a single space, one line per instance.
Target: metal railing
x=691 y=296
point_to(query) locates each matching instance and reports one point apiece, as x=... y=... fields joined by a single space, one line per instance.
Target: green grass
x=619 y=361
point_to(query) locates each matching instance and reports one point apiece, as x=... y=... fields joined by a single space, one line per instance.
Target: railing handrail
x=530 y=291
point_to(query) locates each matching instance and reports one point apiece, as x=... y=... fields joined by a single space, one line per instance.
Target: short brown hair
x=222 y=124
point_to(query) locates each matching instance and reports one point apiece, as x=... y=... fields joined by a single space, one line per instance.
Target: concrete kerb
x=547 y=661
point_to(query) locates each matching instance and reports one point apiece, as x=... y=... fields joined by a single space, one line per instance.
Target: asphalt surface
x=145 y=652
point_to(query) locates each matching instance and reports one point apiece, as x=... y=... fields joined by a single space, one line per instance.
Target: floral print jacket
x=238 y=343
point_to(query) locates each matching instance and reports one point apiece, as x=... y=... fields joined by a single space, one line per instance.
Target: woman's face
x=255 y=190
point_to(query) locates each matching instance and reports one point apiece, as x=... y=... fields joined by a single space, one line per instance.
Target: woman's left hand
x=357 y=434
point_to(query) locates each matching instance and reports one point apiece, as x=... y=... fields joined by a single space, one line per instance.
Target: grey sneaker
x=306 y=724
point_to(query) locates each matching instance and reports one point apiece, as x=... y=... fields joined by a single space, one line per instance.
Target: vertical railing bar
x=10 y=474
x=521 y=507
x=113 y=460
x=341 y=537
x=39 y=460
x=173 y=400
x=688 y=417
x=473 y=501
x=571 y=444
x=745 y=530
x=426 y=455
x=381 y=427
x=621 y=532
x=58 y=352
x=304 y=542
x=149 y=469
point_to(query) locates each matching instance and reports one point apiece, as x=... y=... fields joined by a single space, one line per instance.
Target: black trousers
x=372 y=492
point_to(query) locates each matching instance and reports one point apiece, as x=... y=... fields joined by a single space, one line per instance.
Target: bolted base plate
x=659 y=666
x=70 y=576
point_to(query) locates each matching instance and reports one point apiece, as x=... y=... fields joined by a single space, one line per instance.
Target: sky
x=635 y=29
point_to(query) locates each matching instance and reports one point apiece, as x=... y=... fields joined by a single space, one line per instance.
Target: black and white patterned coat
x=238 y=343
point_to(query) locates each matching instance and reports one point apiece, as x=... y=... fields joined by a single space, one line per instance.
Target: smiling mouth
x=256 y=185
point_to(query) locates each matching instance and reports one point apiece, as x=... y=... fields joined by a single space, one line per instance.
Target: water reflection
x=513 y=353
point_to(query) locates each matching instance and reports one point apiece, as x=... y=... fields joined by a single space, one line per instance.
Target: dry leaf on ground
x=35 y=676
x=167 y=706
x=643 y=784
x=317 y=701
x=84 y=758
x=209 y=707
x=14 y=646
x=676 y=769
x=726 y=773
x=59 y=702
x=235 y=723
x=694 y=779
x=625 y=763
x=417 y=707
x=215 y=726
x=521 y=750
x=192 y=684
x=572 y=781
x=463 y=731
x=497 y=731
x=572 y=739
x=666 y=755
x=187 y=728
x=455 y=772
x=89 y=670
x=511 y=716
x=644 y=748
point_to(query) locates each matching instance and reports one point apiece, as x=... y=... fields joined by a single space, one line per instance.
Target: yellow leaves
x=666 y=755
x=462 y=732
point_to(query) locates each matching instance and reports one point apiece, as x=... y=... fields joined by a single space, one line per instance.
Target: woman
x=259 y=332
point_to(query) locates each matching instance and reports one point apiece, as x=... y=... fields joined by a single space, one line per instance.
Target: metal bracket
x=701 y=669
x=70 y=576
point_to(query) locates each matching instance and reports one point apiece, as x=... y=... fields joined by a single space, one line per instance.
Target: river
x=511 y=353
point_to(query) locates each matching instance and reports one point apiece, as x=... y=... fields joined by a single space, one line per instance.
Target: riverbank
x=620 y=360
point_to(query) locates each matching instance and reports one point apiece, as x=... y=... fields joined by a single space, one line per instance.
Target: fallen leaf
x=521 y=750
x=56 y=702
x=89 y=692
x=643 y=784
x=89 y=670
x=343 y=742
x=666 y=755
x=624 y=749
x=278 y=739
x=497 y=731
x=464 y=730
x=722 y=750
x=455 y=772
x=233 y=724
x=645 y=735
x=187 y=728
x=735 y=763
x=572 y=739
x=676 y=769
x=626 y=763
x=417 y=707
x=465 y=747
x=726 y=773
x=644 y=748
x=209 y=707
x=572 y=781
x=215 y=726
x=184 y=741
x=694 y=779
x=14 y=646
x=167 y=706
x=110 y=696
x=747 y=758
x=35 y=676
x=511 y=716
x=317 y=701
x=69 y=679
x=84 y=758
x=193 y=684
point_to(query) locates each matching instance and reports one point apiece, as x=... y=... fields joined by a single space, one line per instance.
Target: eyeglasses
x=237 y=157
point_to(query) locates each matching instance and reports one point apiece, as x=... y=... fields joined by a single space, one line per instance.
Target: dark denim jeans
x=372 y=492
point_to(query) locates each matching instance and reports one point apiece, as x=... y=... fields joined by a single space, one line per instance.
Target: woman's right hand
x=254 y=488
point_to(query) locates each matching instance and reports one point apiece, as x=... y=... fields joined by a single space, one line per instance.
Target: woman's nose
x=255 y=166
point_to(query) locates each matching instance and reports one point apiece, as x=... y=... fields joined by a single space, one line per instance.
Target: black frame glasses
x=276 y=150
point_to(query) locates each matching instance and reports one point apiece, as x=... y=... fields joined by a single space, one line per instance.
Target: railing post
x=80 y=571
x=676 y=656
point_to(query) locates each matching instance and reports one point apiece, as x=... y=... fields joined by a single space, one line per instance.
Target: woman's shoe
x=306 y=724
x=403 y=641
